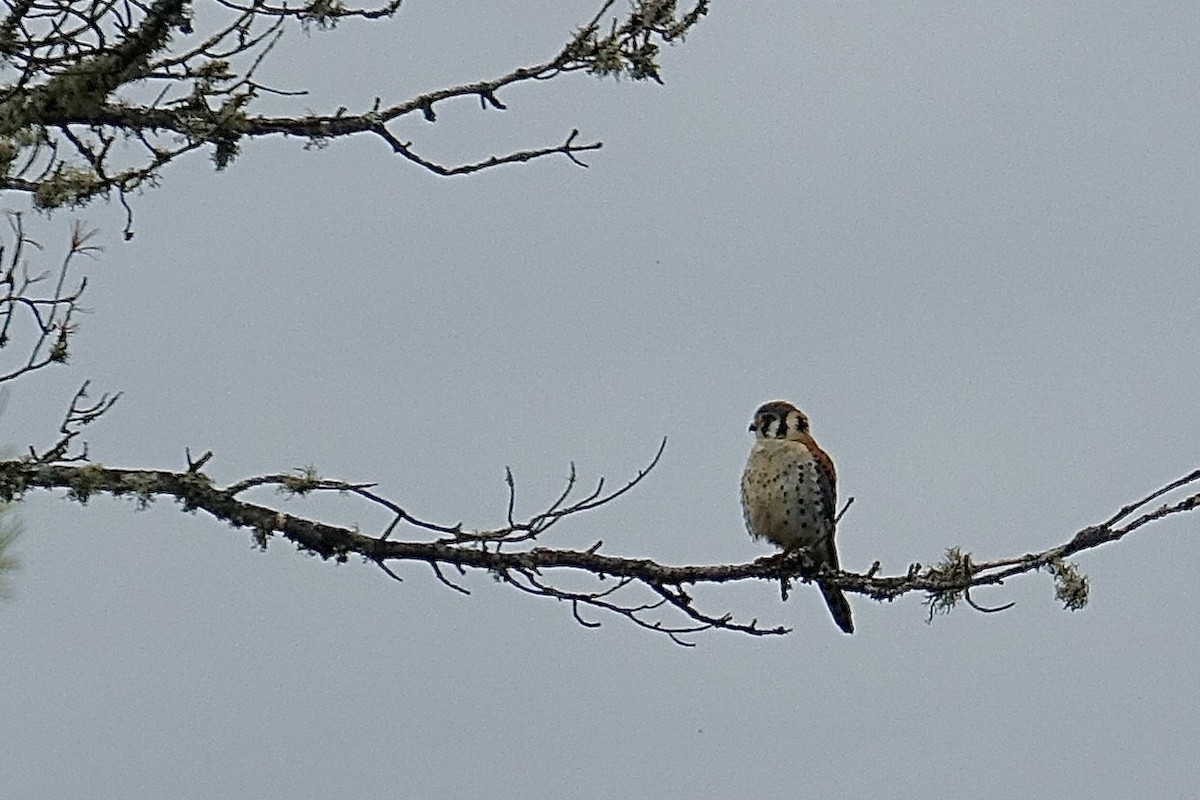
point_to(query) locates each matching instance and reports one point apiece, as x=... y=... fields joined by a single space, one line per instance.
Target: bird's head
x=779 y=419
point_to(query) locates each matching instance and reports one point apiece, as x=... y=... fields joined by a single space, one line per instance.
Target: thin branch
x=24 y=305
x=567 y=148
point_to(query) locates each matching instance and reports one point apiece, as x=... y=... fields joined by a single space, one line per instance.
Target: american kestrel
x=789 y=491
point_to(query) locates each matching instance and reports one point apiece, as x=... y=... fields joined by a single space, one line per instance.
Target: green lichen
x=631 y=50
x=59 y=352
x=142 y=487
x=322 y=13
x=304 y=481
x=70 y=185
x=12 y=484
x=9 y=150
x=85 y=482
x=1070 y=585
x=954 y=569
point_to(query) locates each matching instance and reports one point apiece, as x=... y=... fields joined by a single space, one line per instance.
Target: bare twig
x=24 y=307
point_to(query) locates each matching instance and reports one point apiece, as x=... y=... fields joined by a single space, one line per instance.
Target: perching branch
x=658 y=597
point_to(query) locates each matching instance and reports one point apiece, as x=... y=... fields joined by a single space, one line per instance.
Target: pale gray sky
x=963 y=238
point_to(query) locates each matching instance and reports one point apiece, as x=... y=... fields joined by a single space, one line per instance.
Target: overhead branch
x=75 y=124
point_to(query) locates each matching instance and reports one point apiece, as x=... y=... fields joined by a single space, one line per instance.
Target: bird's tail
x=839 y=606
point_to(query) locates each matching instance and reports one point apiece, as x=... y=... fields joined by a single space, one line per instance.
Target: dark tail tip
x=839 y=607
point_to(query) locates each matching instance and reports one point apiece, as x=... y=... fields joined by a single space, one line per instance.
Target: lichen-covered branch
x=101 y=96
x=655 y=596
